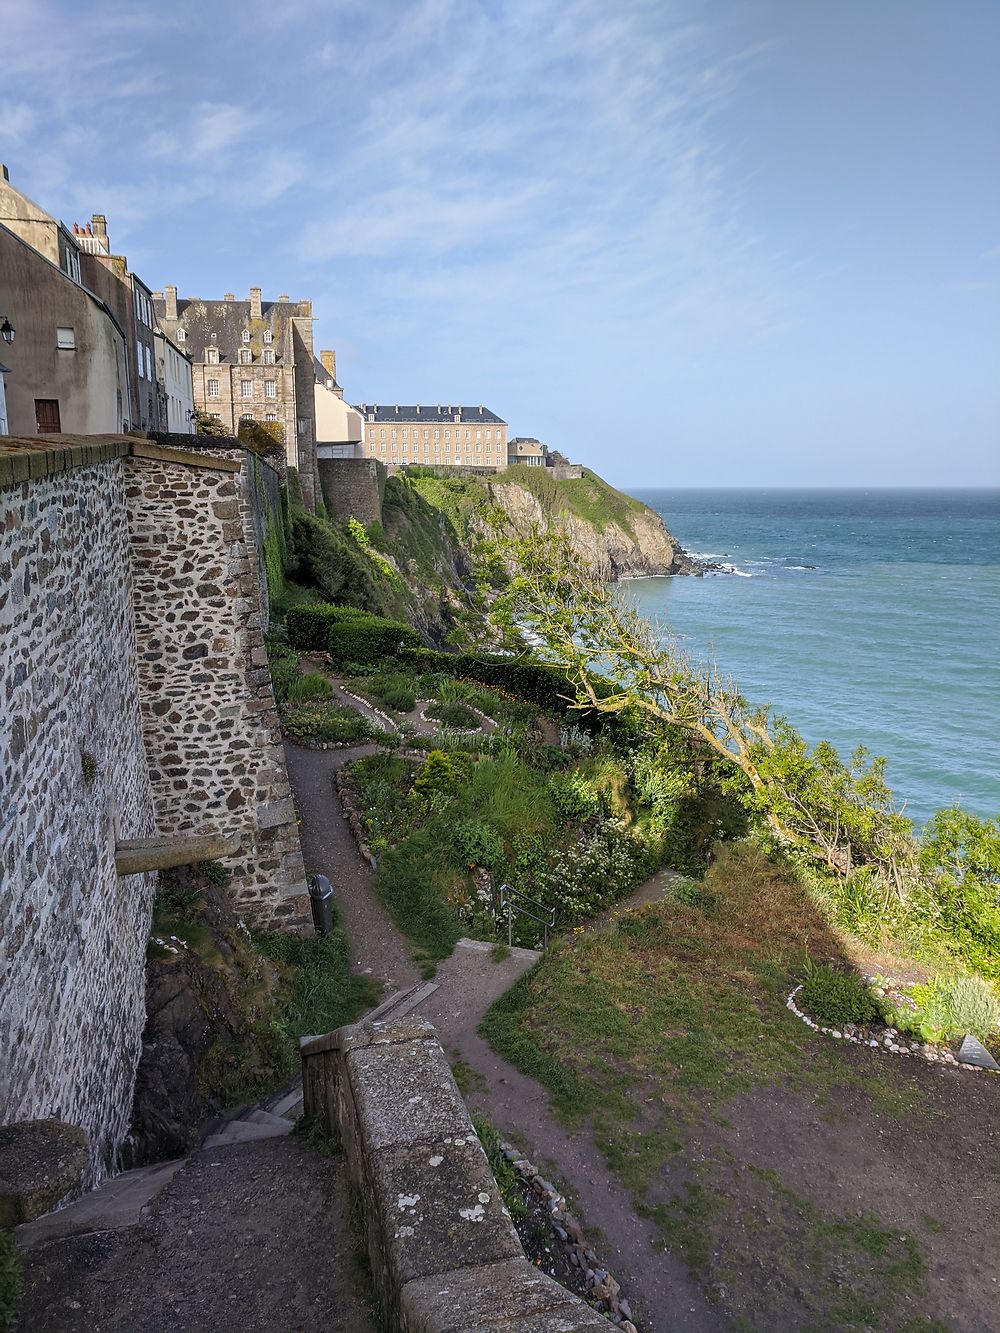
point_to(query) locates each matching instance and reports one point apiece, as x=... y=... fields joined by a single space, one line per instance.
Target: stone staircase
x=124 y=1200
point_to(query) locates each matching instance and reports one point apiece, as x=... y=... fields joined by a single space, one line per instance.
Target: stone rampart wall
x=353 y=488
x=209 y=717
x=73 y=779
x=444 y=1253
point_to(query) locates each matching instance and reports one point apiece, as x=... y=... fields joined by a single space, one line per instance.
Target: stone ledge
x=445 y=1256
x=30 y=458
x=184 y=457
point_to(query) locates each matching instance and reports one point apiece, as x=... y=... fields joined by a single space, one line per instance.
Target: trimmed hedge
x=309 y=626
x=540 y=684
x=348 y=634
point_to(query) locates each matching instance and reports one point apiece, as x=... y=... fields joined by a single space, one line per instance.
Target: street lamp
x=7 y=331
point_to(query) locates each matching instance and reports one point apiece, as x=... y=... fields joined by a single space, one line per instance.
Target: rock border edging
x=891 y=1043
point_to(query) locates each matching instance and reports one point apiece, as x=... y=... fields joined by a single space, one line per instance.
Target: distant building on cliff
x=253 y=361
x=526 y=451
x=446 y=436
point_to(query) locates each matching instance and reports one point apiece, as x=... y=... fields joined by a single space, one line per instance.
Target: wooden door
x=47 y=416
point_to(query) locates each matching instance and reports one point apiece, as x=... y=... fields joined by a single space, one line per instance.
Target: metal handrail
x=513 y=899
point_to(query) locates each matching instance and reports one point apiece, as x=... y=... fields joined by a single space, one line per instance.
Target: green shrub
x=477 y=843
x=574 y=797
x=310 y=686
x=836 y=997
x=413 y=880
x=329 y=561
x=400 y=698
x=309 y=626
x=371 y=639
x=455 y=715
x=692 y=893
x=945 y=1008
x=317 y=720
x=435 y=777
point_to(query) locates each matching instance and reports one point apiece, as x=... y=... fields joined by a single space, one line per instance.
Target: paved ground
x=254 y=1237
x=328 y=846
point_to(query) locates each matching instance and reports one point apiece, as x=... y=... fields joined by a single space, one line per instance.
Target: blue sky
x=730 y=242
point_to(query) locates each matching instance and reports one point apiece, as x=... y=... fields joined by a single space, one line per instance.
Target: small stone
x=560 y=1232
x=629 y=1327
x=835 y=1033
x=625 y=1308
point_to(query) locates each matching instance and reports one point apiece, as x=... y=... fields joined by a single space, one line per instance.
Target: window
x=489 y=435
x=212 y=355
x=245 y=356
x=66 y=339
x=270 y=416
x=268 y=336
x=394 y=437
x=216 y=417
x=479 y=435
x=381 y=434
x=181 y=336
x=447 y=435
x=270 y=388
x=246 y=416
x=468 y=434
x=268 y=357
x=246 y=335
x=302 y=425
x=246 y=388
x=437 y=435
x=212 y=387
x=149 y=364
x=47 y=415
x=138 y=357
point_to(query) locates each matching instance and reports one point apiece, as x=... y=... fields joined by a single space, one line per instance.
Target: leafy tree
x=205 y=424
x=616 y=661
x=961 y=855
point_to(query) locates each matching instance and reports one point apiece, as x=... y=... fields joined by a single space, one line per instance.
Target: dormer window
x=268 y=357
x=268 y=336
x=246 y=335
x=181 y=336
x=212 y=355
x=245 y=356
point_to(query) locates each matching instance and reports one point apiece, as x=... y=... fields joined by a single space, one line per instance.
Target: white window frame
x=270 y=388
x=268 y=357
x=181 y=336
x=246 y=356
x=212 y=356
x=246 y=335
x=65 y=338
x=268 y=336
x=212 y=388
x=246 y=388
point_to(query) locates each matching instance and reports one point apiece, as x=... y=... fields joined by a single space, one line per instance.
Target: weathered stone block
x=405 y=1094
x=510 y=1297
x=40 y=1162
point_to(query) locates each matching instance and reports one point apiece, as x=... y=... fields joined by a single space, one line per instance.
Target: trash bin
x=321 y=901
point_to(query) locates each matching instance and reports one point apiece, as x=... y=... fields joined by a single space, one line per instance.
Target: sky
x=687 y=242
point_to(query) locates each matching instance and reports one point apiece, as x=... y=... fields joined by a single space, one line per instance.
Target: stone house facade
x=339 y=429
x=109 y=276
x=67 y=368
x=252 y=360
x=444 y=436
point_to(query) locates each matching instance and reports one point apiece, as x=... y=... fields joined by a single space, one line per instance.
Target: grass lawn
x=808 y=1185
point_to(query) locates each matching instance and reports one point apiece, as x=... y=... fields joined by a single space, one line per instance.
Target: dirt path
x=254 y=1237
x=657 y=1285
x=377 y=948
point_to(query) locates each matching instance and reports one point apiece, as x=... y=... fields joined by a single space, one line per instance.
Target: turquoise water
x=868 y=617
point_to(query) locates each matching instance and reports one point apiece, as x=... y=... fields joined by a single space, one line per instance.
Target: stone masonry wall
x=209 y=717
x=73 y=778
x=444 y=1253
x=353 y=487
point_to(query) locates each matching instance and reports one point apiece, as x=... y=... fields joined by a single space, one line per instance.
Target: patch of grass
x=835 y=996
x=454 y=715
x=508 y=1182
x=499 y=952
x=324 y=992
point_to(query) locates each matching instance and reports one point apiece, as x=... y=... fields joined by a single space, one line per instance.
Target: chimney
x=480 y=409
x=157 y=296
x=283 y=297
x=170 y=299
x=229 y=296
x=329 y=360
x=418 y=409
x=255 y=303
x=99 y=223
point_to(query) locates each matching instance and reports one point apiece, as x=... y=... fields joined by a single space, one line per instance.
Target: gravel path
x=328 y=846
x=254 y=1237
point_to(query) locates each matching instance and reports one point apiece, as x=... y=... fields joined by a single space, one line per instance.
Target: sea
x=866 y=617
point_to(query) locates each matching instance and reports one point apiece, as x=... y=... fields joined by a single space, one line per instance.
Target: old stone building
x=526 y=451
x=252 y=361
x=67 y=366
x=451 y=436
x=109 y=276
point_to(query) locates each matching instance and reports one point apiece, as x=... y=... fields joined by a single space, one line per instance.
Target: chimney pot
x=100 y=224
x=229 y=296
x=283 y=296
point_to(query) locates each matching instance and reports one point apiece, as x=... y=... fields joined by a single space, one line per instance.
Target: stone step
x=265 y=1126
x=119 y=1202
x=401 y=1002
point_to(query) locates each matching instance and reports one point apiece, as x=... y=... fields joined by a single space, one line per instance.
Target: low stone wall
x=444 y=1253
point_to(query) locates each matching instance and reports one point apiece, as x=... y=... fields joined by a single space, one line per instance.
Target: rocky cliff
x=618 y=537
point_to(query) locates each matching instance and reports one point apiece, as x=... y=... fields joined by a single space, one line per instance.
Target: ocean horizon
x=865 y=615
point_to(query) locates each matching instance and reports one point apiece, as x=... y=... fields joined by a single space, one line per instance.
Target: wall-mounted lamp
x=7 y=331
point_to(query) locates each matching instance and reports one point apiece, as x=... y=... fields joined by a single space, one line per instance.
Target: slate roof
x=424 y=415
x=322 y=374
x=221 y=323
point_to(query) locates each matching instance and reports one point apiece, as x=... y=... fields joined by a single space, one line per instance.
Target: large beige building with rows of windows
x=450 y=436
